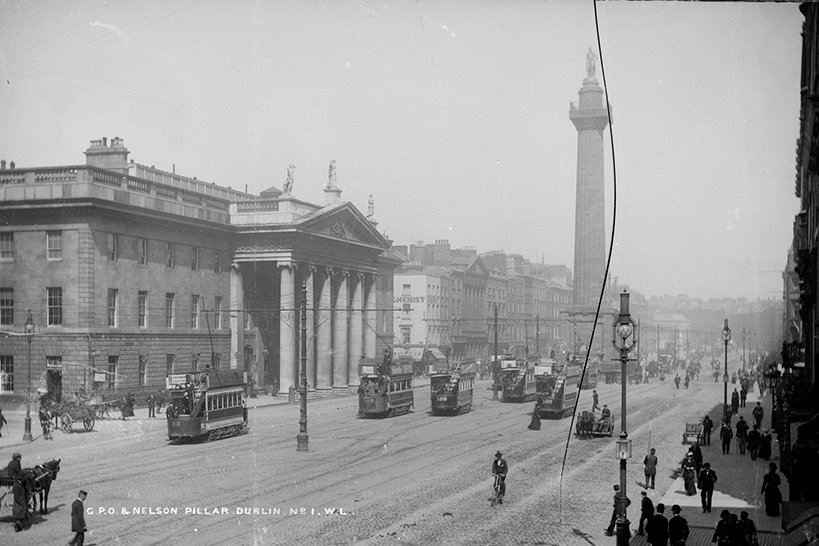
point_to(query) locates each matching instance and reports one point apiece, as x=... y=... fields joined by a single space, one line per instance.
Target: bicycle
x=497 y=498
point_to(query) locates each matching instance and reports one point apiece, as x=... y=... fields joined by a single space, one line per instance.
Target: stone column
x=356 y=325
x=236 y=320
x=369 y=317
x=288 y=356
x=311 y=317
x=324 y=352
x=340 y=358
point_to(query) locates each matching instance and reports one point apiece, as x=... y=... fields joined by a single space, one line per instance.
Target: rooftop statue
x=288 y=184
x=370 y=206
x=331 y=175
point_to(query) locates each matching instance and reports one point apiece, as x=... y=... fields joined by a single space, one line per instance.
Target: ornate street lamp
x=726 y=337
x=623 y=341
x=29 y=332
x=302 y=439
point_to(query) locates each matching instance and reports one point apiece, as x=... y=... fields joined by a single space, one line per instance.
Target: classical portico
x=287 y=247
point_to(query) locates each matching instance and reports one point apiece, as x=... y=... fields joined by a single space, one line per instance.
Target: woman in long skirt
x=770 y=488
x=689 y=475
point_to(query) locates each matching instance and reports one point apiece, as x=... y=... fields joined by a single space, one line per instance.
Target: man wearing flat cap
x=20 y=508
x=78 y=520
x=500 y=469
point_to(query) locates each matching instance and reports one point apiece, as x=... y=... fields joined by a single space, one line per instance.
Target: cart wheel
x=88 y=423
x=67 y=423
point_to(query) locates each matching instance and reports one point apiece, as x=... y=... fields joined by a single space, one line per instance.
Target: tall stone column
x=288 y=356
x=236 y=320
x=340 y=358
x=369 y=317
x=590 y=118
x=356 y=328
x=324 y=352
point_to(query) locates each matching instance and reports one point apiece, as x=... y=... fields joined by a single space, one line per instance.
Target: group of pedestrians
x=660 y=530
x=735 y=531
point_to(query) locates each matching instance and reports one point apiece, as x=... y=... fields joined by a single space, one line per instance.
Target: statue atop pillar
x=370 y=206
x=288 y=184
x=331 y=174
x=591 y=64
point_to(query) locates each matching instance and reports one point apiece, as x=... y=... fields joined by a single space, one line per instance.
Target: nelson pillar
x=590 y=118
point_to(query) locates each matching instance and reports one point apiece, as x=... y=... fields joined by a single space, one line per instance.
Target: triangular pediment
x=477 y=267
x=342 y=221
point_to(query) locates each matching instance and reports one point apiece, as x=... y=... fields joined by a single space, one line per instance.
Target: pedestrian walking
x=646 y=511
x=748 y=528
x=650 y=463
x=687 y=380
x=724 y=533
x=726 y=434
x=742 y=434
x=689 y=474
x=697 y=453
x=78 y=520
x=765 y=442
x=617 y=497
x=734 y=402
x=151 y=406
x=707 y=427
x=758 y=413
x=770 y=488
x=705 y=481
x=160 y=399
x=677 y=381
x=657 y=528
x=534 y=424
x=753 y=442
x=677 y=527
x=2 y=421
x=595 y=401
x=743 y=395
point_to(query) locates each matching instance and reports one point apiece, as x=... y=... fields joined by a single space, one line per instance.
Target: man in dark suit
x=78 y=520
x=657 y=527
x=677 y=527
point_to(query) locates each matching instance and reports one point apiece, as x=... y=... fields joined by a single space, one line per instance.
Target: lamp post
x=623 y=341
x=29 y=332
x=726 y=337
x=302 y=438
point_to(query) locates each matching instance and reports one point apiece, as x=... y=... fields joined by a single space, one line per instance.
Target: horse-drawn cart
x=589 y=427
x=73 y=411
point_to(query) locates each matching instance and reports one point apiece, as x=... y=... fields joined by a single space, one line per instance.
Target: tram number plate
x=176 y=424
x=442 y=399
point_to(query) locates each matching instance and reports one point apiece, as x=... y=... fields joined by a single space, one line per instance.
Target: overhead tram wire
x=608 y=262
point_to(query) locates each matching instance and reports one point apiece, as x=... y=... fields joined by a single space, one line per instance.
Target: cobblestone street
x=413 y=479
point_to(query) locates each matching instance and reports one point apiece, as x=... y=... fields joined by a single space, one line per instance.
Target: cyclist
x=500 y=469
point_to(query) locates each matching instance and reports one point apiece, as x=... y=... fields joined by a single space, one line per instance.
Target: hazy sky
x=453 y=114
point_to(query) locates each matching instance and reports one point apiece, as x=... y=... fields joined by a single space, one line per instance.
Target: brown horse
x=44 y=474
x=585 y=424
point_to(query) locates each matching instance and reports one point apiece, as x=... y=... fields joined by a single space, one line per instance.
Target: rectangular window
x=169 y=304
x=405 y=335
x=194 y=362
x=54 y=245
x=6 y=306
x=6 y=373
x=217 y=308
x=194 y=311
x=113 y=311
x=169 y=255
x=142 y=308
x=112 y=372
x=113 y=247
x=217 y=262
x=143 y=251
x=143 y=370
x=7 y=246
x=54 y=295
x=195 y=258
x=169 y=364
x=245 y=315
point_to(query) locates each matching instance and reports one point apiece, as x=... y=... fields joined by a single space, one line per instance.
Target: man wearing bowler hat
x=500 y=469
x=78 y=520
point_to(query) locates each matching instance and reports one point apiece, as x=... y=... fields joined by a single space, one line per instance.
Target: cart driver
x=500 y=469
x=605 y=414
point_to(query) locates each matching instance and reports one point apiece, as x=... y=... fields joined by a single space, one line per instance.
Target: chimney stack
x=111 y=158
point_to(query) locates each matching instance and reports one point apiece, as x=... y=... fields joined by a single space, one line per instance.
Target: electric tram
x=451 y=393
x=517 y=381
x=556 y=388
x=385 y=389
x=207 y=405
